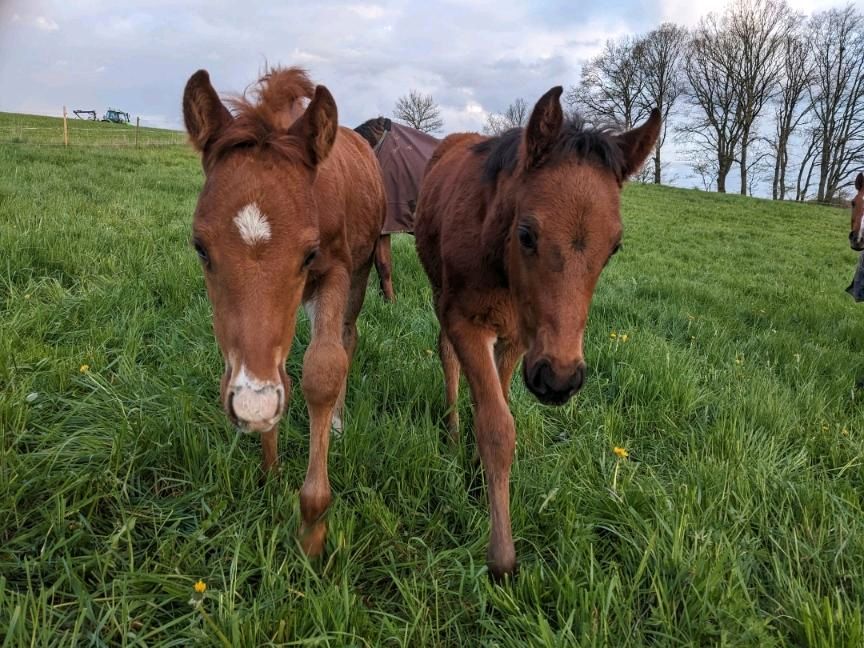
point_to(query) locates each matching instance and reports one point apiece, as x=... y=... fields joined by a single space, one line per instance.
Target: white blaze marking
x=252 y=224
x=861 y=229
x=245 y=380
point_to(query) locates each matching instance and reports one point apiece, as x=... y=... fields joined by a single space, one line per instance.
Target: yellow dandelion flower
x=200 y=587
x=85 y=368
x=621 y=453
x=624 y=337
x=613 y=335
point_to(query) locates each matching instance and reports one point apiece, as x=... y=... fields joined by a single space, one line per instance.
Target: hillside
x=17 y=128
x=737 y=518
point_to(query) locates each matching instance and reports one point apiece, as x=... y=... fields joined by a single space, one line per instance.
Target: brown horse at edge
x=281 y=185
x=513 y=232
x=856 y=229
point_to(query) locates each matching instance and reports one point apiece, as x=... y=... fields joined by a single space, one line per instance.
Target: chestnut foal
x=513 y=232
x=272 y=229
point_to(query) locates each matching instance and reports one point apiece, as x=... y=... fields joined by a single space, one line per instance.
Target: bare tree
x=704 y=165
x=758 y=30
x=514 y=116
x=419 y=111
x=808 y=161
x=661 y=54
x=759 y=163
x=711 y=68
x=611 y=86
x=792 y=105
x=836 y=40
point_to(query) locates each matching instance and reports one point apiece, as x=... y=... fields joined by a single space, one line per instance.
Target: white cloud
x=368 y=11
x=45 y=24
x=688 y=12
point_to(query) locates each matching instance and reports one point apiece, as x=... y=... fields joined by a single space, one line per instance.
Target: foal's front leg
x=325 y=366
x=495 y=431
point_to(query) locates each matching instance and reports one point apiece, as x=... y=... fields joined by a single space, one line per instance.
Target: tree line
x=758 y=88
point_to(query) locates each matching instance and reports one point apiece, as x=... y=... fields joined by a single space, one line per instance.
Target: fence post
x=65 y=129
x=137 y=124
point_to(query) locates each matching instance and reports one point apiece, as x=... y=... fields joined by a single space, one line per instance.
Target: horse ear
x=543 y=128
x=637 y=143
x=859 y=182
x=318 y=126
x=204 y=114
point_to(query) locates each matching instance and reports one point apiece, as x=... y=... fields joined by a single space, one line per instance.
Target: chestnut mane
x=593 y=145
x=263 y=114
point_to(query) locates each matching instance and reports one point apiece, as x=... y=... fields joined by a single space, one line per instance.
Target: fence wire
x=115 y=135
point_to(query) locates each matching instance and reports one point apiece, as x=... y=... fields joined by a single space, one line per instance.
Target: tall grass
x=736 y=520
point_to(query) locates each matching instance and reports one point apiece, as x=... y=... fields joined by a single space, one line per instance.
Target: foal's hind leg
x=349 y=335
x=450 y=364
x=506 y=357
x=324 y=368
x=384 y=267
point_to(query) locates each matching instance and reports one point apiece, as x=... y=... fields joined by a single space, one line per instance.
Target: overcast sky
x=473 y=56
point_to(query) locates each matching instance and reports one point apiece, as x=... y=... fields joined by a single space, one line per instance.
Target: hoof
x=502 y=573
x=312 y=539
x=503 y=566
x=270 y=468
x=453 y=428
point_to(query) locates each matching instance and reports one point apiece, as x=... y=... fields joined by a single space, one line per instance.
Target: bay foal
x=513 y=232
x=290 y=211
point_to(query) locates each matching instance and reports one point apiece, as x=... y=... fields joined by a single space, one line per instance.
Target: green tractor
x=115 y=116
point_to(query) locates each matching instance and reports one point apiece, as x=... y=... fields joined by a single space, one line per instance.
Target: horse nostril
x=578 y=378
x=280 y=396
x=539 y=374
x=231 y=411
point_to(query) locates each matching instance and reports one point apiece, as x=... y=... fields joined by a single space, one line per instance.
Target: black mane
x=373 y=129
x=593 y=145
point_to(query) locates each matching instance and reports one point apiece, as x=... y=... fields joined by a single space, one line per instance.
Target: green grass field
x=48 y=131
x=737 y=519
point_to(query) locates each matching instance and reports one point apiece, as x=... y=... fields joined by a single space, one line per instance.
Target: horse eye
x=310 y=257
x=527 y=238
x=201 y=251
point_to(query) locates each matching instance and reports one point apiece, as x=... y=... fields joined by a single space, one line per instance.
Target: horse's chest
x=496 y=313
